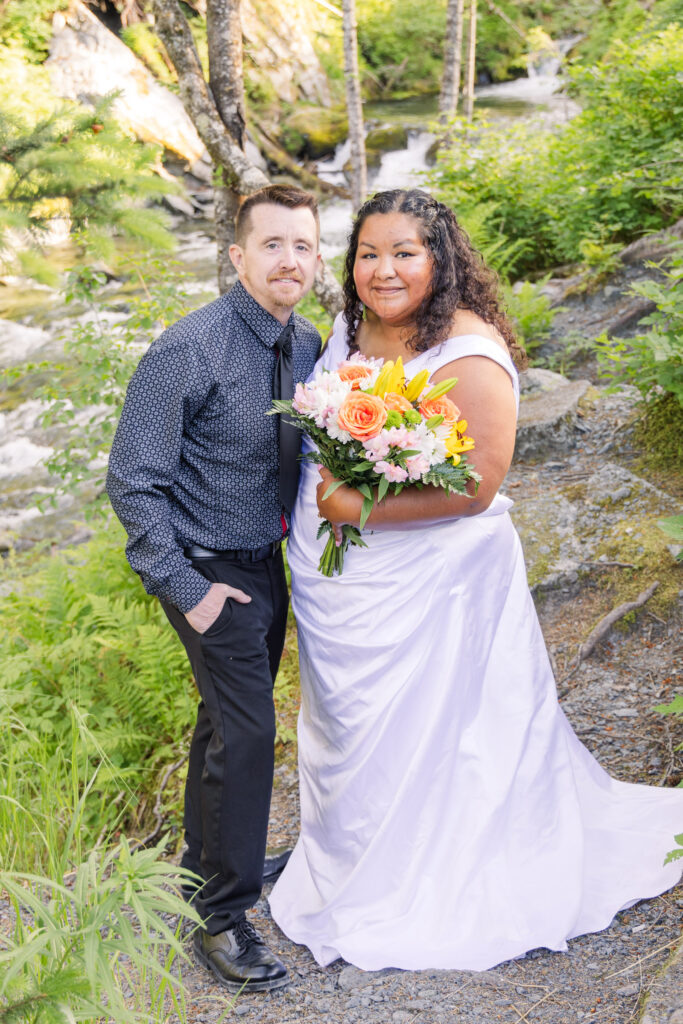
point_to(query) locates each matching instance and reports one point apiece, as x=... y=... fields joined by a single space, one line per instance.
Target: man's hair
x=281 y=195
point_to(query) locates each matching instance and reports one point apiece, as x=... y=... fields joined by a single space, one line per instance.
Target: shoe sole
x=236 y=986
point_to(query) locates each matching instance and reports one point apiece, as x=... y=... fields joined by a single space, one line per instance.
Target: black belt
x=255 y=555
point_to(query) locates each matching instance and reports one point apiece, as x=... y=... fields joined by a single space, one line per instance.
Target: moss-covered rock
x=314 y=132
x=386 y=137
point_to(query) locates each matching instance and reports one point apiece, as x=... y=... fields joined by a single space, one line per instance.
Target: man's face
x=278 y=258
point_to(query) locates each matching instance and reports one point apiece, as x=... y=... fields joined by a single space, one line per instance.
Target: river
x=36 y=317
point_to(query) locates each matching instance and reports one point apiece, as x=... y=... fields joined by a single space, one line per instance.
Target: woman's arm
x=486 y=400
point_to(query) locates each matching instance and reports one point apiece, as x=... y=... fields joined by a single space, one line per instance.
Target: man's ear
x=236 y=257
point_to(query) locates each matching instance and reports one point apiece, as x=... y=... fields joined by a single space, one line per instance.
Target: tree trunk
x=226 y=82
x=354 y=106
x=471 y=59
x=240 y=175
x=450 y=83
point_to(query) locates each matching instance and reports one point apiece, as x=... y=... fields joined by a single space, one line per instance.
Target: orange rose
x=441 y=407
x=354 y=372
x=362 y=415
x=397 y=402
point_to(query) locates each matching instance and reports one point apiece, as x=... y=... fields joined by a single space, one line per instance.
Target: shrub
x=652 y=362
x=607 y=176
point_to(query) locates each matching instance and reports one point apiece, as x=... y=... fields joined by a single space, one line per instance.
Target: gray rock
x=537 y=379
x=351 y=978
x=547 y=420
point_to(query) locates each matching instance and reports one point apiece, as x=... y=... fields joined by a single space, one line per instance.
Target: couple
x=449 y=816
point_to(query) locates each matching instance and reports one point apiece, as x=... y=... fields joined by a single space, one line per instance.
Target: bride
x=450 y=818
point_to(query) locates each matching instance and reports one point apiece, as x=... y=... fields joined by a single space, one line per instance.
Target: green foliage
x=76 y=167
x=652 y=362
x=28 y=25
x=146 y=45
x=607 y=176
x=673 y=527
x=530 y=309
x=92 y=937
x=80 y=637
x=313 y=311
x=99 y=359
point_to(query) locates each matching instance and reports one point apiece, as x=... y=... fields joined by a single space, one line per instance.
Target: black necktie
x=290 y=437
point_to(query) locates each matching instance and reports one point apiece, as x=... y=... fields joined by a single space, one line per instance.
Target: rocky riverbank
x=587 y=518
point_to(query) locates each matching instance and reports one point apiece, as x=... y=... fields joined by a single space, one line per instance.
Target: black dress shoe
x=275 y=861
x=240 y=959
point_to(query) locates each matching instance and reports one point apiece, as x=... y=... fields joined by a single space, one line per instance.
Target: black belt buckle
x=254 y=555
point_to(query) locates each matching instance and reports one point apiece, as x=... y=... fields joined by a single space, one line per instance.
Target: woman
x=449 y=816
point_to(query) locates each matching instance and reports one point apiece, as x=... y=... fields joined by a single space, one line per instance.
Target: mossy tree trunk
x=222 y=136
x=450 y=83
x=354 y=105
x=226 y=82
x=471 y=60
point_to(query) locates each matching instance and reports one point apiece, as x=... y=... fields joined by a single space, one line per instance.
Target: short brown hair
x=282 y=195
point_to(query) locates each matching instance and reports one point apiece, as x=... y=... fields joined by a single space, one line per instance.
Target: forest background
x=96 y=699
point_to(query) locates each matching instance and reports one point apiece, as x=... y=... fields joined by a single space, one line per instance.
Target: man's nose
x=288 y=256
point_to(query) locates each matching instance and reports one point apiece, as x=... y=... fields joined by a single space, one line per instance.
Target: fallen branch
x=158 y=808
x=281 y=158
x=603 y=627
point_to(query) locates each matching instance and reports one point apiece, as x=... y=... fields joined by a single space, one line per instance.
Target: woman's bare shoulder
x=466 y=322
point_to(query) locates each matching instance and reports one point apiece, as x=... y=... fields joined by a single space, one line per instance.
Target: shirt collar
x=263 y=324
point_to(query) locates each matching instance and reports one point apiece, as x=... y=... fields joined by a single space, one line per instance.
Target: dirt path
x=609 y=701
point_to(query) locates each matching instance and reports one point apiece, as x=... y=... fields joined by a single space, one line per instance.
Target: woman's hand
x=343 y=506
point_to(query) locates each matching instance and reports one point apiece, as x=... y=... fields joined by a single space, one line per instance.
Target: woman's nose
x=385 y=267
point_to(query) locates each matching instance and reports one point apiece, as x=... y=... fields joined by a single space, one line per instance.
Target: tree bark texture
x=174 y=32
x=450 y=83
x=471 y=60
x=354 y=106
x=226 y=85
x=240 y=175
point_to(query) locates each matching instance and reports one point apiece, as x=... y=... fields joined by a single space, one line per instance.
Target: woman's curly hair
x=460 y=278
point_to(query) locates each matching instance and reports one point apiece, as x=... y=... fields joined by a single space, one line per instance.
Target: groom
x=204 y=482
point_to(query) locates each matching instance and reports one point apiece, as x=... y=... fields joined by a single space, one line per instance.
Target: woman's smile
x=393 y=267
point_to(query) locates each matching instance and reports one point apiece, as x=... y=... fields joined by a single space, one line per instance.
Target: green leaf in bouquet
x=361 y=467
x=332 y=488
x=365 y=490
x=434 y=421
x=366 y=509
x=353 y=535
x=383 y=488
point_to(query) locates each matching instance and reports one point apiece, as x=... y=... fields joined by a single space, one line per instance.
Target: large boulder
x=87 y=61
x=548 y=414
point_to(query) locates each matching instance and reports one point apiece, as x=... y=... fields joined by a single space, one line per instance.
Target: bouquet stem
x=332 y=559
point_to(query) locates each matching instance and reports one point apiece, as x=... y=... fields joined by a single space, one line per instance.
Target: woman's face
x=393 y=267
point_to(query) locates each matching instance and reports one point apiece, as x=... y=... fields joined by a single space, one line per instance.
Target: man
x=196 y=478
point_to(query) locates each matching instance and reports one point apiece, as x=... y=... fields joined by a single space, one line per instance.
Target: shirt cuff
x=184 y=590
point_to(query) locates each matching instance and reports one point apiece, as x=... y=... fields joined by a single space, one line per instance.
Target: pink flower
x=417 y=466
x=394 y=474
x=377 y=447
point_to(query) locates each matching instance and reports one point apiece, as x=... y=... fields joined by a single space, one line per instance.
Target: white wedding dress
x=450 y=818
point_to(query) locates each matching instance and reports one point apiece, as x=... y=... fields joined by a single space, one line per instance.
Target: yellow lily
x=381 y=384
x=396 y=377
x=441 y=389
x=413 y=390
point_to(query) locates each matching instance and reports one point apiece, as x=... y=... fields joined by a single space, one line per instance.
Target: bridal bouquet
x=378 y=433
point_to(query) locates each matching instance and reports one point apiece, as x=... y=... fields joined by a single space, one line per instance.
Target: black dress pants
x=230 y=770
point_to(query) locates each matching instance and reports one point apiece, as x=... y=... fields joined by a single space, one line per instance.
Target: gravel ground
x=610 y=700
x=603 y=977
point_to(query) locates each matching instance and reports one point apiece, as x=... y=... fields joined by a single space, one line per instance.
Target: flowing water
x=36 y=318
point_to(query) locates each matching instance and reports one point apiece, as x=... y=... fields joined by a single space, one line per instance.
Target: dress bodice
x=447 y=351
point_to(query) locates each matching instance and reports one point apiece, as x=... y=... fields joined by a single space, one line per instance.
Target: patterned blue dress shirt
x=195 y=458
